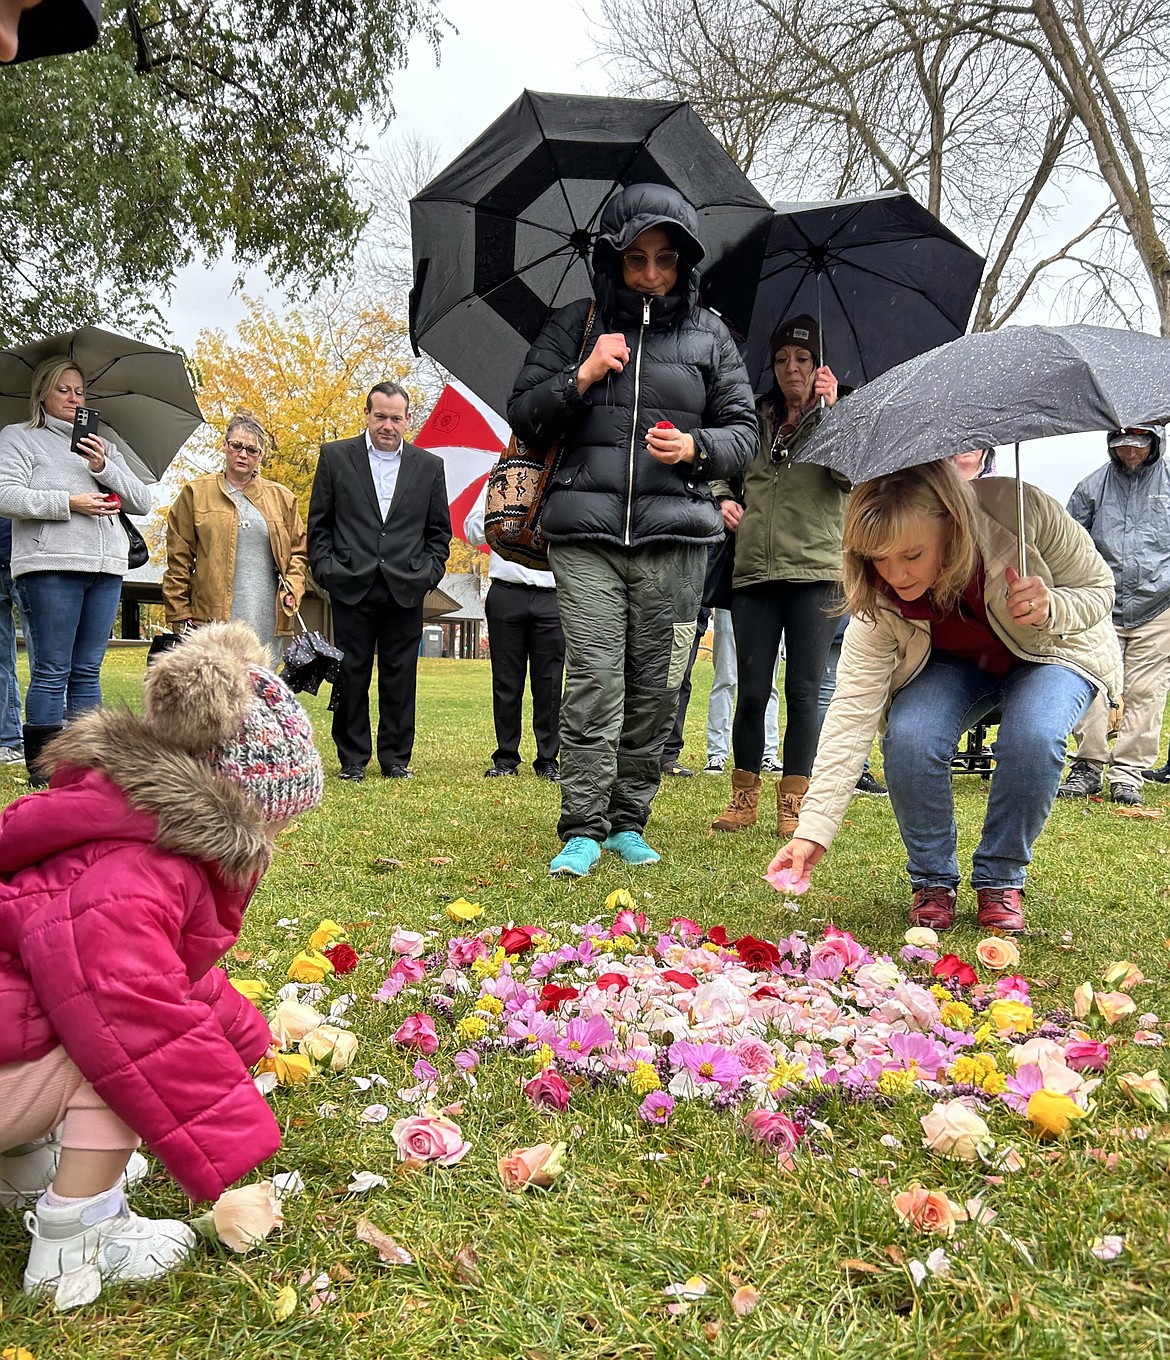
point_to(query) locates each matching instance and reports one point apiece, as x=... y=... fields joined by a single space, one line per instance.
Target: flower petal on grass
x=244 y=1217
x=693 y=1288
x=364 y=1181
x=375 y=1114
x=744 y=1300
x=285 y=1304
x=1107 y=1248
x=388 y=1250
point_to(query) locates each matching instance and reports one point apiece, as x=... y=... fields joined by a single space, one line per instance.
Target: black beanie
x=798 y=330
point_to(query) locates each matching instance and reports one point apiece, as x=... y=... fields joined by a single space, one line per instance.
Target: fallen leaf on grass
x=1150 y=814
x=712 y=1329
x=385 y=862
x=895 y=1253
x=285 y=1303
x=744 y=1300
x=466 y=1265
x=441 y=859
x=388 y=1250
x=852 y=1266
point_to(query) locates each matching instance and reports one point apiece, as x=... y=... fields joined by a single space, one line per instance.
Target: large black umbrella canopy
x=148 y=408
x=993 y=388
x=883 y=276
x=502 y=236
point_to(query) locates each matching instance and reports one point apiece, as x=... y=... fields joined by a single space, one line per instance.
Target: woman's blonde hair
x=45 y=377
x=880 y=516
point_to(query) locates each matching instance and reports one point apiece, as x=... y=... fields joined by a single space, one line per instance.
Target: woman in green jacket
x=787 y=565
x=945 y=631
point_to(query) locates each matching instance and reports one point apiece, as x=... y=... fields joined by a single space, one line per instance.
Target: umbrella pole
x=822 y=403
x=1023 y=550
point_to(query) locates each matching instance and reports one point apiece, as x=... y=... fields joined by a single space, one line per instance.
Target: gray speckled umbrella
x=996 y=387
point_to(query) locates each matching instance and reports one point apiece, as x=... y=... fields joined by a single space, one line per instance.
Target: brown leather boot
x=744 y=807
x=789 y=793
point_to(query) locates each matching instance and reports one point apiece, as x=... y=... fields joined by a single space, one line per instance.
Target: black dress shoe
x=356 y=773
x=676 y=771
x=497 y=771
x=396 y=772
x=547 y=769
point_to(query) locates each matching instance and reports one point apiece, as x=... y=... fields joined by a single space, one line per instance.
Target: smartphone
x=85 y=422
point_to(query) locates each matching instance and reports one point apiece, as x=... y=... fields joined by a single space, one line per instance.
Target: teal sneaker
x=577 y=858
x=632 y=848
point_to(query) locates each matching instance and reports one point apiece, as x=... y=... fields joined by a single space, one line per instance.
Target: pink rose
x=773 y=1129
x=840 y=945
x=417 y=1031
x=408 y=969
x=539 y=1165
x=1086 y=1056
x=408 y=942
x=463 y=950
x=685 y=928
x=548 y=1088
x=430 y=1138
x=756 y=1056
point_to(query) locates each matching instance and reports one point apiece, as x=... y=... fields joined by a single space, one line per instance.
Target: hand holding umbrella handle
x=1028 y=599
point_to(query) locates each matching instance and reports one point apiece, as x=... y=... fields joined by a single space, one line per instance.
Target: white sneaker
x=11 y=755
x=85 y=1245
x=29 y=1169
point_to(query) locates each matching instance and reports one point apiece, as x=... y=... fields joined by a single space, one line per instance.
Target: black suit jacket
x=350 y=543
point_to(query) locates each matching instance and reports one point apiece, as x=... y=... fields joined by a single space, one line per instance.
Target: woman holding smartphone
x=69 y=550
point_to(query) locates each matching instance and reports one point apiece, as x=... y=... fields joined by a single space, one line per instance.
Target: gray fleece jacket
x=38 y=474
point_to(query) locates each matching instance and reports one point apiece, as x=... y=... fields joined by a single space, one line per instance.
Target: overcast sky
x=499 y=50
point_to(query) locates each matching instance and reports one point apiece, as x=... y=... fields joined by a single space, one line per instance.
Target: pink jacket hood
x=121 y=888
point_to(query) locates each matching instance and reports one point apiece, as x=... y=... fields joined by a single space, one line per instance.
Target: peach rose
x=928 y=1210
x=291 y=1021
x=1112 y=1006
x=539 y=1165
x=997 y=953
x=245 y=1216
x=953 y=1130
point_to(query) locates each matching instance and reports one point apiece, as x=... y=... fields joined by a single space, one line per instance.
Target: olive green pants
x=628 y=616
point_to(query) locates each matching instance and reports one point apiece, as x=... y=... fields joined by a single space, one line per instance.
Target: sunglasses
x=237 y=447
x=778 y=453
x=636 y=261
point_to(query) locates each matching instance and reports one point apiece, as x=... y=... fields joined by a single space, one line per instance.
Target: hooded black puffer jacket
x=684 y=367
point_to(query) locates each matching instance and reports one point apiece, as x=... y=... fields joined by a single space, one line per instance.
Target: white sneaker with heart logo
x=27 y=1170
x=100 y=1235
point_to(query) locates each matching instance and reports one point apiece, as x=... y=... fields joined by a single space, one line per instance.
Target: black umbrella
x=502 y=236
x=884 y=278
x=992 y=388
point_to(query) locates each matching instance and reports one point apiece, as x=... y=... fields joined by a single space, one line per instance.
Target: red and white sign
x=469 y=437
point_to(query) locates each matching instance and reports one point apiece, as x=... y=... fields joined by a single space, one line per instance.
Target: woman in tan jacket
x=945 y=631
x=236 y=545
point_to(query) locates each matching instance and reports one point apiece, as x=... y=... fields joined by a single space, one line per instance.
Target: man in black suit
x=379 y=536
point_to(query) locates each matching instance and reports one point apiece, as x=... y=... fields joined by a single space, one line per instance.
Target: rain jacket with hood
x=684 y=368
x=1128 y=516
x=121 y=888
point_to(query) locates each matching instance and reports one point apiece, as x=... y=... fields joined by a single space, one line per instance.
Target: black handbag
x=138 y=554
x=720 y=568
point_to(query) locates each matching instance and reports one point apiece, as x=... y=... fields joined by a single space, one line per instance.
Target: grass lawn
x=579 y=1270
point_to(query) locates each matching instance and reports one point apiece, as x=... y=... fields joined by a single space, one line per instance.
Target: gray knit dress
x=254 y=584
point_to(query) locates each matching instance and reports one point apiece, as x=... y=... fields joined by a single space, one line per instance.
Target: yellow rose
x=1083 y=1000
x=620 y=900
x=1050 y=1114
x=255 y=989
x=996 y=953
x=463 y=910
x=921 y=937
x=953 y=1130
x=1125 y=975
x=310 y=965
x=330 y=1046
x=290 y=1069
x=325 y=934
x=1010 y=1017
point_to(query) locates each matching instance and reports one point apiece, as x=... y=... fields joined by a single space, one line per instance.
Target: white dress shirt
x=500 y=568
x=384 y=469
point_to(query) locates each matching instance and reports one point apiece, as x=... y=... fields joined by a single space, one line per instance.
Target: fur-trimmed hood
x=194 y=813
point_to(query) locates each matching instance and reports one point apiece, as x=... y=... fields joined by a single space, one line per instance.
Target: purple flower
x=389 y=989
x=656 y=1108
x=467 y=1059
x=918 y=1051
x=425 y=1071
x=708 y=1062
x=1020 y=1088
x=530 y=1026
x=909 y=953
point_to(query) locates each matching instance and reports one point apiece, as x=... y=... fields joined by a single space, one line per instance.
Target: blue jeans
x=68 y=615
x=10 y=734
x=721 y=704
x=1041 y=704
x=829 y=688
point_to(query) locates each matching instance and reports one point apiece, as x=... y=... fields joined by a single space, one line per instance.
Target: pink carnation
x=430 y=1138
x=417 y=1031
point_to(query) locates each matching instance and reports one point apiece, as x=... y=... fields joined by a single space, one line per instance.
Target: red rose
x=717 y=935
x=687 y=980
x=342 y=956
x=618 y=980
x=761 y=992
x=516 y=939
x=551 y=996
x=664 y=425
x=758 y=954
x=951 y=966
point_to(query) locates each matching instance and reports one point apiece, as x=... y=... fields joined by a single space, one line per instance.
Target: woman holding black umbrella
x=787 y=562
x=658 y=406
x=944 y=631
x=69 y=550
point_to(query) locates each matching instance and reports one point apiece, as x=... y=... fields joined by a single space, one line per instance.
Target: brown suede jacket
x=201 y=549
